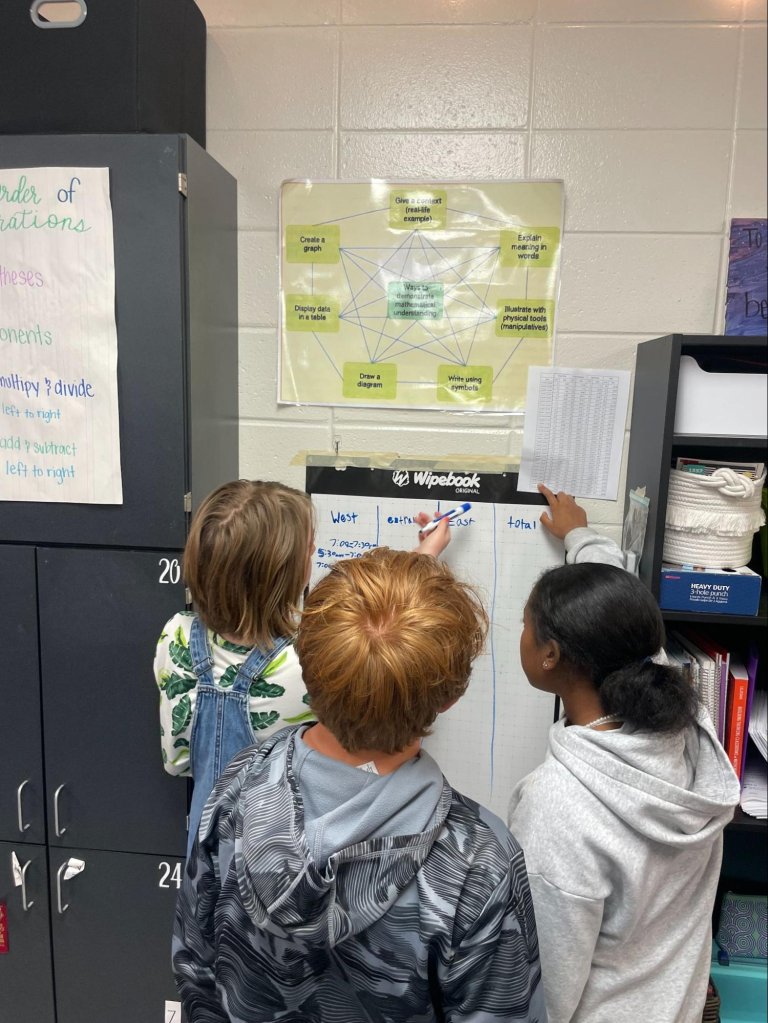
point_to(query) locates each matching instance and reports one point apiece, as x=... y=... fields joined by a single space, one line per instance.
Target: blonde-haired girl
x=228 y=674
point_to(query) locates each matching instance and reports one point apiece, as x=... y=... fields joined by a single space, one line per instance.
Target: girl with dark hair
x=622 y=824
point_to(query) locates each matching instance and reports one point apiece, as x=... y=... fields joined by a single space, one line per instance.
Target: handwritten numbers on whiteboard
x=501 y=550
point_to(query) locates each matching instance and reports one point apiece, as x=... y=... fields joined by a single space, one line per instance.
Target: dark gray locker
x=98 y=582
x=101 y=612
x=112 y=927
x=26 y=979
x=211 y=275
x=172 y=336
x=21 y=779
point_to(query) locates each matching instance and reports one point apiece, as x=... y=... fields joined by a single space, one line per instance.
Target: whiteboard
x=497 y=732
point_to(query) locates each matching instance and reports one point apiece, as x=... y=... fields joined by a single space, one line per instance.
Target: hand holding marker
x=426 y=530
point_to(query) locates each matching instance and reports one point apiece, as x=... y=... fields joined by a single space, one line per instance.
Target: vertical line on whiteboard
x=493 y=649
x=377 y=525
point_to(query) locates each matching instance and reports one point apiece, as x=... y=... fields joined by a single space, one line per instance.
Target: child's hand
x=433 y=543
x=564 y=514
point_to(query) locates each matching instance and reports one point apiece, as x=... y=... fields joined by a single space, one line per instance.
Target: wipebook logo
x=401 y=478
x=461 y=484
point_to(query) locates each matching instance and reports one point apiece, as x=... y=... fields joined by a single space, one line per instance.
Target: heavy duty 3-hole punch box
x=718 y=591
x=103 y=66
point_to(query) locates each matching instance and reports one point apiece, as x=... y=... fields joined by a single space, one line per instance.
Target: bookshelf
x=653 y=447
x=654 y=444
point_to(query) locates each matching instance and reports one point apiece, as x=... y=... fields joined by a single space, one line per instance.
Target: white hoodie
x=622 y=835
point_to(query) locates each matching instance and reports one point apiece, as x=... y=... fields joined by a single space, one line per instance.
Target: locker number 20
x=170 y=570
x=169 y=875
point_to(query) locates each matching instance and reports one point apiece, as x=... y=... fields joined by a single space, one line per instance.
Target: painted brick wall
x=652 y=111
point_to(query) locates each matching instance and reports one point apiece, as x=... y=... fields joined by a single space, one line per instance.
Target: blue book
x=746 y=305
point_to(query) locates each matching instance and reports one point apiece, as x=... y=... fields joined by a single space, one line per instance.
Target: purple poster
x=746 y=307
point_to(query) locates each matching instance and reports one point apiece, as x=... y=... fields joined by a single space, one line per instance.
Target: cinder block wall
x=652 y=111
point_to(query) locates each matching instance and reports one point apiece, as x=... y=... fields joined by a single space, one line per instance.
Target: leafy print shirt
x=276 y=699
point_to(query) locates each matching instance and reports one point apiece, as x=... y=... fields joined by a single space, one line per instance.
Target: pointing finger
x=550 y=497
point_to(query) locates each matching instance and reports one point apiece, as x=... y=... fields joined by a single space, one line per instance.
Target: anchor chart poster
x=59 y=424
x=423 y=295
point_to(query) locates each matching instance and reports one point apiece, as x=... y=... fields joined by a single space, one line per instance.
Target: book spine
x=721 y=677
x=752 y=664
x=737 y=722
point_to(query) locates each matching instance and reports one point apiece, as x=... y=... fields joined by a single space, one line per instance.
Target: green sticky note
x=532 y=247
x=414 y=300
x=464 y=385
x=421 y=209
x=318 y=313
x=370 y=381
x=525 y=317
x=312 y=243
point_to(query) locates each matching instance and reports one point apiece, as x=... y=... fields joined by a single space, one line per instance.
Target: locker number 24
x=169 y=874
x=170 y=570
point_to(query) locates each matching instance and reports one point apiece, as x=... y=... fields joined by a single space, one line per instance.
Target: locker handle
x=56 y=823
x=19 y=811
x=37 y=13
x=65 y=907
x=26 y=904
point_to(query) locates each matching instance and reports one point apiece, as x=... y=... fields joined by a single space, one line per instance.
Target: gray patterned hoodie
x=320 y=892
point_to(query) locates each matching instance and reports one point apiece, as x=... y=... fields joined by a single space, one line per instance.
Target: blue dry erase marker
x=426 y=530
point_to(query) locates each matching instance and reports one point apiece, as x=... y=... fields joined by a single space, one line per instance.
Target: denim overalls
x=221 y=726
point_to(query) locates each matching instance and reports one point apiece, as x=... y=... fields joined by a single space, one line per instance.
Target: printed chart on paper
x=417 y=295
x=497 y=732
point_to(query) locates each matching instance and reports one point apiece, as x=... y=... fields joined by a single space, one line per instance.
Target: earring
x=545 y=666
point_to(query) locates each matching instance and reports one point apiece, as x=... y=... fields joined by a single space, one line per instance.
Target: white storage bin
x=720 y=404
x=711 y=520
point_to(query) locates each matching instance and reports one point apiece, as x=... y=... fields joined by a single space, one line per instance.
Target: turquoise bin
x=743 y=989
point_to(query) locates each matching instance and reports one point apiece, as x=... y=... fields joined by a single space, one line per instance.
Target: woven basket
x=711 y=520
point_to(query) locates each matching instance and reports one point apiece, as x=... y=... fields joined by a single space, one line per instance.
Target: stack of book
x=706 y=467
x=725 y=683
x=754 y=793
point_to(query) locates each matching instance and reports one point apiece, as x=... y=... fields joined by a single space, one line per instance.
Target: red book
x=736 y=716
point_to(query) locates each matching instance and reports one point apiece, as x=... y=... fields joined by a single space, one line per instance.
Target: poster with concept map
x=434 y=295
